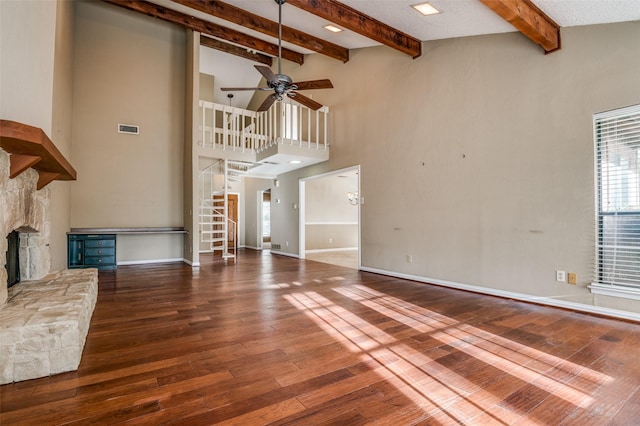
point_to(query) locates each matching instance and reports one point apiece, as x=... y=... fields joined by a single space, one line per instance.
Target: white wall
x=476 y=158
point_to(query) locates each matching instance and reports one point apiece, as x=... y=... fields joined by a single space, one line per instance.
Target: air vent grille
x=129 y=128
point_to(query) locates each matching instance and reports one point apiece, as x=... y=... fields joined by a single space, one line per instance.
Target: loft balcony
x=286 y=137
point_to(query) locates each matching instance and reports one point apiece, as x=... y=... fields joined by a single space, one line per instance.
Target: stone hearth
x=44 y=324
x=44 y=319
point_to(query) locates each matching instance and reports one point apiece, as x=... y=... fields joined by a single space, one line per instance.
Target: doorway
x=330 y=218
x=232 y=236
x=266 y=220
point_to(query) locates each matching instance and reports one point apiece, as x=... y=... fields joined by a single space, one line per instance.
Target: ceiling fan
x=281 y=84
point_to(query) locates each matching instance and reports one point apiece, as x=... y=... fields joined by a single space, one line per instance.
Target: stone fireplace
x=44 y=318
x=25 y=210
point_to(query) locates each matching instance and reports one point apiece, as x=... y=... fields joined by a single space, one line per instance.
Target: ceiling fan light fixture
x=426 y=9
x=282 y=85
x=332 y=28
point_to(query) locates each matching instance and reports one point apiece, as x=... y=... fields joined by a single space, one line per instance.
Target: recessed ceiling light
x=332 y=28
x=295 y=161
x=426 y=9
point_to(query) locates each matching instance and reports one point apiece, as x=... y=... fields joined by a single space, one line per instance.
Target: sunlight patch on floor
x=429 y=384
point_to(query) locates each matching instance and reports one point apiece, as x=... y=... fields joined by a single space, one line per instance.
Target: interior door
x=232 y=205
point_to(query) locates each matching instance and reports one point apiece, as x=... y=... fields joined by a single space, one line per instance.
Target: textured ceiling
x=459 y=18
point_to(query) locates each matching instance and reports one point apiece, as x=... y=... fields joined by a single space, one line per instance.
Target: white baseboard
x=331 y=249
x=252 y=248
x=285 y=254
x=144 y=262
x=615 y=313
x=192 y=264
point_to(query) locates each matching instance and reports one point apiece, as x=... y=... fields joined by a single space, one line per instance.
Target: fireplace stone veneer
x=44 y=324
x=23 y=207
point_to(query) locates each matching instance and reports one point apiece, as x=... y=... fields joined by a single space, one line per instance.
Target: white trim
x=332 y=249
x=144 y=262
x=192 y=264
x=285 y=254
x=260 y=217
x=302 y=218
x=618 y=112
x=615 y=291
x=331 y=223
x=512 y=295
x=253 y=248
x=332 y=172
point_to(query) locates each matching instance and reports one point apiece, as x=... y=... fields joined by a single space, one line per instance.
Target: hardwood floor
x=276 y=340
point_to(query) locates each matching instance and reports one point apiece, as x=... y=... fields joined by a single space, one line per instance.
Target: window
x=617 y=138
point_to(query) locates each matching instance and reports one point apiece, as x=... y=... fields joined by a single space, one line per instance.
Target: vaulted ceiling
x=249 y=28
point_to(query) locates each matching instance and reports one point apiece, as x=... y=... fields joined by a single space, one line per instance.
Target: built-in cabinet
x=91 y=251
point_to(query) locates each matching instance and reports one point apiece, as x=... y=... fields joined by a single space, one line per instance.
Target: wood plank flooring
x=276 y=340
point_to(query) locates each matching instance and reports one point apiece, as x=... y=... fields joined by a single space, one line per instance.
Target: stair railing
x=229 y=128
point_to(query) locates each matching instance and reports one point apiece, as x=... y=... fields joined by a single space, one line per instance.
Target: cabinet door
x=75 y=253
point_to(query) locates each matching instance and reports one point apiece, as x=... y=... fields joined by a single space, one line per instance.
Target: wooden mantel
x=30 y=147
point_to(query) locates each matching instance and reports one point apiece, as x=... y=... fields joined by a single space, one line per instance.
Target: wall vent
x=128 y=128
x=276 y=246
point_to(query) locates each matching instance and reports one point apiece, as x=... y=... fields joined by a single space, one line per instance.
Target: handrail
x=230 y=128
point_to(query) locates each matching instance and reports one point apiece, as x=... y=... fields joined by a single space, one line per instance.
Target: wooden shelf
x=30 y=147
x=166 y=230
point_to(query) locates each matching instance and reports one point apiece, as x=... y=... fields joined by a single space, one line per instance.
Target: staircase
x=218 y=231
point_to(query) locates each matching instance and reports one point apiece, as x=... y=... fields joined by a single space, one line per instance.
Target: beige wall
x=190 y=161
x=128 y=69
x=206 y=87
x=330 y=236
x=62 y=115
x=476 y=158
x=27 y=37
x=36 y=75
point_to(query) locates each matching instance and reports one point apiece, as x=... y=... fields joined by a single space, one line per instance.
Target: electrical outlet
x=286 y=243
x=561 y=276
x=330 y=240
x=572 y=278
x=409 y=259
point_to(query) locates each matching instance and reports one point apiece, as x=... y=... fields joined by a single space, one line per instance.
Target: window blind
x=617 y=137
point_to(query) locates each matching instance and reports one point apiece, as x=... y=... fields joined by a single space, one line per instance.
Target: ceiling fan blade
x=308 y=102
x=268 y=102
x=314 y=84
x=267 y=73
x=235 y=89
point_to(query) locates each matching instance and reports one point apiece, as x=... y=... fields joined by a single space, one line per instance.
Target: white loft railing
x=229 y=128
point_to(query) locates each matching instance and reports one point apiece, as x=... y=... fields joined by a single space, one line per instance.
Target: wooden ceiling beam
x=249 y=20
x=208 y=28
x=235 y=50
x=356 y=21
x=529 y=20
